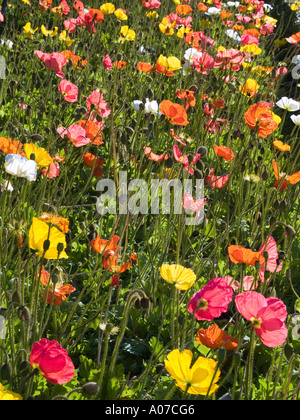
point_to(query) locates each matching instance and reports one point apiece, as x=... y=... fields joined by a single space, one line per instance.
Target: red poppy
x=188 y=97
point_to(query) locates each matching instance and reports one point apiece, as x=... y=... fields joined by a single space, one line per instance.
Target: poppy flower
x=151 y=4
x=10 y=147
x=166 y=26
x=54 y=62
x=282 y=179
x=185 y=160
x=182 y=278
x=248 y=283
x=107 y=8
x=52 y=171
x=96 y=99
x=249 y=88
x=294 y=39
x=48 y=242
x=54 y=219
x=110 y=262
x=21 y=167
x=120 y=64
x=62 y=9
x=225 y=152
x=45 y=5
x=215 y=181
x=107 y=62
x=259 y=115
x=203 y=62
x=267 y=316
x=121 y=14
x=175 y=113
x=288 y=104
x=101 y=245
x=188 y=97
x=144 y=67
x=91 y=161
x=68 y=90
x=281 y=146
x=126 y=34
x=211 y=301
x=183 y=9
x=215 y=338
x=59 y=289
x=198 y=379
x=115 y=281
x=189 y=203
x=153 y=156
x=270 y=247
x=93 y=130
x=38 y=154
x=6 y=395
x=167 y=65
x=75 y=134
x=239 y=254
x=28 y=31
x=52 y=361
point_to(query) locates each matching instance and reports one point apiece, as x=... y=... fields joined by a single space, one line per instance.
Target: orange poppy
x=144 y=67
x=225 y=152
x=91 y=161
x=120 y=64
x=238 y=27
x=110 y=262
x=175 y=113
x=259 y=115
x=101 y=245
x=214 y=338
x=93 y=132
x=75 y=59
x=202 y=7
x=54 y=219
x=188 y=96
x=225 y=15
x=238 y=254
x=96 y=15
x=183 y=9
x=161 y=69
x=283 y=180
x=281 y=146
x=252 y=32
x=59 y=289
x=9 y=146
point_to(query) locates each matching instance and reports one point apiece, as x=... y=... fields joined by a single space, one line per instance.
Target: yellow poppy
x=167 y=27
x=47 y=241
x=120 y=14
x=107 y=8
x=40 y=155
x=249 y=88
x=126 y=34
x=9 y=395
x=183 y=278
x=170 y=63
x=199 y=379
x=29 y=31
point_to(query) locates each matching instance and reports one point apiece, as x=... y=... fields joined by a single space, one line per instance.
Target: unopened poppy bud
x=24 y=313
x=90 y=388
x=150 y=93
x=221 y=355
x=159 y=368
x=281 y=255
x=195 y=233
x=32 y=156
x=265 y=255
x=276 y=205
x=290 y=231
x=169 y=162
x=137 y=304
x=198 y=174
x=46 y=245
x=60 y=247
x=236 y=358
x=265 y=175
x=200 y=165
x=16 y=297
x=6 y=371
x=24 y=367
x=267 y=274
x=282 y=205
x=272 y=220
x=203 y=151
x=145 y=303
x=54 y=278
x=288 y=351
x=36 y=137
x=193 y=88
x=257 y=265
x=119 y=57
x=258 y=219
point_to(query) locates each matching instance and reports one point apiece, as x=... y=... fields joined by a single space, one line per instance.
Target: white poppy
x=151 y=107
x=6 y=186
x=136 y=105
x=213 y=11
x=296 y=119
x=233 y=35
x=20 y=166
x=288 y=104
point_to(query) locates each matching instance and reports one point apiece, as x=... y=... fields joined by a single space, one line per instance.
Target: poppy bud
x=137 y=304
x=290 y=231
x=90 y=388
x=24 y=313
x=236 y=358
x=288 y=351
x=145 y=303
x=159 y=368
x=60 y=247
x=200 y=165
x=265 y=175
x=258 y=219
x=203 y=151
x=6 y=371
x=119 y=57
x=16 y=297
x=195 y=233
x=23 y=367
x=150 y=93
x=281 y=255
x=282 y=205
x=32 y=156
x=265 y=255
x=272 y=220
x=46 y=245
x=276 y=205
x=221 y=355
x=36 y=137
x=198 y=174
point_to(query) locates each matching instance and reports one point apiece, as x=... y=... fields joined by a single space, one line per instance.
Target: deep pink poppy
x=212 y=300
x=54 y=61
x=271 y=248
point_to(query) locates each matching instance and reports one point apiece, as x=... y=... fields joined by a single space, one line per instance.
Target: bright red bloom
x=212 y=300
x=188 y=97
x=52 y=361
x=267 y=316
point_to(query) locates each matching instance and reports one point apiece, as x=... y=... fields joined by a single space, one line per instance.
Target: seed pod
x=221 y=355
x=90 y=388
x=282 y=205
x=24 y=367
x=60 y=247
x=265 y=175
x=46 y=245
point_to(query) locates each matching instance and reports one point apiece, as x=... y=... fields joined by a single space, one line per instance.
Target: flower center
x=256 y=322
x=202 y=304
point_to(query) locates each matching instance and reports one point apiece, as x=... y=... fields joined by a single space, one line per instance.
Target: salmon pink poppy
x=52 y=171
x=75 y=134
x=202 y=62
x=52 y=361
x=267 y=316
x=185 y=160
x=270 y=247
x=54 y=62
x=96 y=99
x=214 y=338
x=189 y=203
x=215 y=181
x=93 y=130
x=211 y=301
x=175 y=113
x=151 y=4
x=153 y=156
x=68 y=90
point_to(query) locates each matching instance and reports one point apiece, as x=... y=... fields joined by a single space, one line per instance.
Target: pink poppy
x=230 y=59
x=96 y=98
x=152 y=4
x=1 y=17
x=249 y=39
x=68 y=90
x=76 y=135
x=108 y=64
x=267 y=29
x=54 y=61
x=267 y=316
x=52 y=171
x=216 y=124
x=185 y=160
x=271 y=248
x=202 y=62
x=248 y=283
x=211 y=301
x=189 y=203
x=216 y=181
x=153 y=156
x=79 y=7
x=52 y=361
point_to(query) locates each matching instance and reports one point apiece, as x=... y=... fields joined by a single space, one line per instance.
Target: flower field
x=149 y=190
